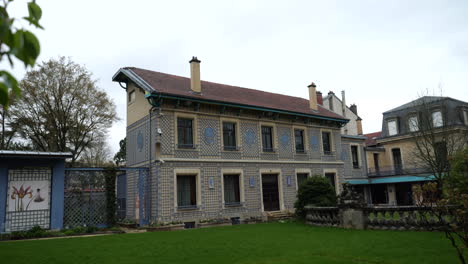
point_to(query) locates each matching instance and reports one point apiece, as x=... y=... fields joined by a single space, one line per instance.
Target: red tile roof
x=177 y=85
x=371 y=138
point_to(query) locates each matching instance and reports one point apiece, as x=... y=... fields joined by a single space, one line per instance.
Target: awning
x=392 y=179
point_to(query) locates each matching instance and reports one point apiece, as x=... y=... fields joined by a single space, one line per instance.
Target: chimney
x=312 y=97
x=343 y=103
x=195 y=82
x=319 y=98
x=353 y=109
x=359 y=125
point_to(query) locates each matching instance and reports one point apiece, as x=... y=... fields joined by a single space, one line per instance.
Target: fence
x=86 y=196
x=393 y=218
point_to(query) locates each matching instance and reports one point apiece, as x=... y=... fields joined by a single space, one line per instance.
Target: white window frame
x=413 y=125
x=437 y=121
x=388 y=127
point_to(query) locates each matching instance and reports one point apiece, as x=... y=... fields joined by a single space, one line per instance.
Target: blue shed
x=31 y=189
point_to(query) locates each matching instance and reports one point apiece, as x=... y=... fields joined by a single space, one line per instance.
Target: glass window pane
x=392 y=127
x=231 y=189
x=437 y=119
x=299 y=135
x=301 y=178
x=413 y=124
x=326 y=142
x=186 y=190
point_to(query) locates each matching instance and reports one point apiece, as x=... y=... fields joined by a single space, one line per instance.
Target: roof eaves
x=172 y=96
x=135 y=78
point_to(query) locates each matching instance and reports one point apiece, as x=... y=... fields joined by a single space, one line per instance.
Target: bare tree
x=62 y=109
x=436 y=134
x=97 y=155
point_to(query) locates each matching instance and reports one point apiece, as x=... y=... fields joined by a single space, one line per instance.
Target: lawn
x=260 y=243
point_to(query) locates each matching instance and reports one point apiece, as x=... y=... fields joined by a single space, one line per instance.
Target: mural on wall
x=28 y=196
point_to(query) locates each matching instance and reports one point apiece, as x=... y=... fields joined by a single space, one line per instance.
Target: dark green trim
x=160 y=95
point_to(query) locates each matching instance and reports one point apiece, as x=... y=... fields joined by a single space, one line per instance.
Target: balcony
x=395 y=171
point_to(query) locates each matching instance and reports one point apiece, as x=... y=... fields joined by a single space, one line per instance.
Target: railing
x=324 y=216
x=404 y=218
x=387 y=218
x=394 y=171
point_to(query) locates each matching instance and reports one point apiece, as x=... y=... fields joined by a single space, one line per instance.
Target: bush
x=317 y=191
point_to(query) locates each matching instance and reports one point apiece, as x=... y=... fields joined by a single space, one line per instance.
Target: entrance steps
x=278 y=215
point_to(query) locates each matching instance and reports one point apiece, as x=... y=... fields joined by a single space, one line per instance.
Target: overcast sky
x=382 y=53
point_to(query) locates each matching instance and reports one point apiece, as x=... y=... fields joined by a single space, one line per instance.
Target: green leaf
x=35 y=14
x=3 y=94
x=11 y=82
x=26 y=47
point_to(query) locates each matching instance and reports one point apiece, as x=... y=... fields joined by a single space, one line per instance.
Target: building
x=220 y=151
x=391 y=154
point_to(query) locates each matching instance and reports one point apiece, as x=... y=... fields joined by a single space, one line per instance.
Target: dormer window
x=437 y=120
x=413 y=124
x=392 y=127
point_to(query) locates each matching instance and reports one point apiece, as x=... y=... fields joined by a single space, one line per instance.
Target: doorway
x=270 y=192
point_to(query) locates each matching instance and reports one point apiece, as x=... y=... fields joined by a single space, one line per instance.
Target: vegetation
x=62 y=109
x=19 y=43
x=317 y=191
x=259 y=243
x=121 y=157
x=452 y=201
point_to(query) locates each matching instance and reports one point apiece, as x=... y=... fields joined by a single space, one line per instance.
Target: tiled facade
x=209 y=158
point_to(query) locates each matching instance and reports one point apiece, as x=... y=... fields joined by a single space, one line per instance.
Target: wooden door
x=270 y=192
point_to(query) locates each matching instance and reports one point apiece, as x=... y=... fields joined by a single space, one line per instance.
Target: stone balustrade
x=323 y=216
x=386 y=218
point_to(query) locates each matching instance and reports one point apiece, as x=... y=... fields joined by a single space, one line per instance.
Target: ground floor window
x=331 y=178
x=186 y=191
x=379 y=194
x=231 y=189
x=301 y=178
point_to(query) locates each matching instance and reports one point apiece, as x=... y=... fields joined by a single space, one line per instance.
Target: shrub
x=317 y=191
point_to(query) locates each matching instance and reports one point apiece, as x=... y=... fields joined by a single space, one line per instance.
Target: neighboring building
x=392 y=167
x=220 y=151
x=352 y=139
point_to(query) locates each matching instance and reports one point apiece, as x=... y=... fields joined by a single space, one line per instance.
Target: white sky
x=382 y=53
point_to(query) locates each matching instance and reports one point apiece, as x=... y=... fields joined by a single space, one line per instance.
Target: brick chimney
x=313 y=97
x=195 y=81
x=353 y=109
x=319 y=98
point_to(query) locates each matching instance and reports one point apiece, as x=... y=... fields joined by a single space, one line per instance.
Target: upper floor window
x=465 y=116
x=326 y=142
x=413 y=124
x=267 y=138
x=185 y=132
x=392 y=127
x=437 y=120
x=355 y=156
x=131 y=96
x=299 y=138
x=229 y=136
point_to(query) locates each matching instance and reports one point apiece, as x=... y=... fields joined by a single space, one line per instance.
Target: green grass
x=260 y=243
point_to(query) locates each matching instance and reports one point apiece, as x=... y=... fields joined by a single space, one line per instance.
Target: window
x=231 y=189
x=392 y=127
x=465 y=116
x=185 y=132
x=413 y=124
x=229 y=135
x=267 y=138
x=186 y=191
x=355 y=156
x=326 y=143
x=301 y=178
x=376 y=163
x=299 y=135
x=437 y=119
x=131 y=96
x=331 y=178
x=440 y=149
x=397 y=163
